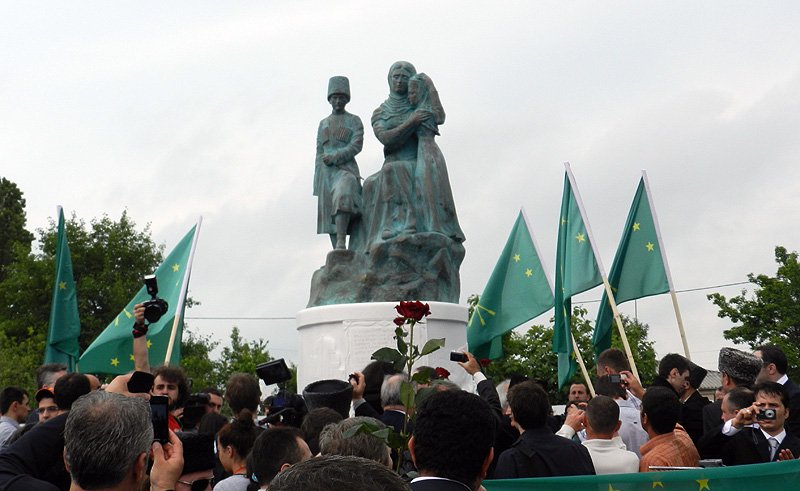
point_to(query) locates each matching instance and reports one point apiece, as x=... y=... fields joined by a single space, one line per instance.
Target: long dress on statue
x=436 y=210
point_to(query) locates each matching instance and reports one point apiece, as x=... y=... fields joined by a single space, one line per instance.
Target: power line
x=688 y=290
x=242 y=318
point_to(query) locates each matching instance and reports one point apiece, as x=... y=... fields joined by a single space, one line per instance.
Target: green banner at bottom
x=776 y=476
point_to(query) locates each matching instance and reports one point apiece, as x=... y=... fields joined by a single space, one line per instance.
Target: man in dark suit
x=506 y=435
x=394 y=414
x=693 y=403
x=757 y=434
x=452 y=442
x=710 y=444
x=774 y=369
x=538 y=452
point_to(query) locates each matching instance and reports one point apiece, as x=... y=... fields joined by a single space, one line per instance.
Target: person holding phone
x=87 y=445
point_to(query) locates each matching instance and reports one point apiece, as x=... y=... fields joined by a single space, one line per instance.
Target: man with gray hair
x=106 y=443
x=394 y=412
x=363 y=444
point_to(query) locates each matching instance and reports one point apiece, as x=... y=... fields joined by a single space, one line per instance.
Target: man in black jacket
x=693 y=403
x=774 y=369
x=39 y=454
x=538 y=452
x=757 y=433
x=673 y=373
x=452 y=442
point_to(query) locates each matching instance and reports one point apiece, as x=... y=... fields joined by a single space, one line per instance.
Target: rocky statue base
x=406 y=267
x=337 y=340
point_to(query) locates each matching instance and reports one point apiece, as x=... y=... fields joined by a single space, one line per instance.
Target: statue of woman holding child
x=412 y=192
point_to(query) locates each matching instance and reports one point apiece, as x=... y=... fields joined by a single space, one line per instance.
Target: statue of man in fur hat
x=337 y=181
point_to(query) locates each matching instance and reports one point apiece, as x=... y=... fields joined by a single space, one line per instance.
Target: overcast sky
x=173 y=110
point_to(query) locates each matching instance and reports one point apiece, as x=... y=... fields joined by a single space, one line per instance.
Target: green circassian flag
x=65 y=325
x=112 y=351
x=638 y=269
x=576 y=272
x=771 y=476
x=517 y=291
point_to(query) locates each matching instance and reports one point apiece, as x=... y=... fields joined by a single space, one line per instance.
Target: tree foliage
x=531 y=354
x=14 y=238
x=109 y=260
x=771 y=314
x=238 y=356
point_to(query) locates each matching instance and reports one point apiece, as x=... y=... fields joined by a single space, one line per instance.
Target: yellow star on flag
x=580 y=238
x=62 y=285
x=703 y=484
x=149 y=344
x=611 y=488
x=564 y=220
x=115 y=361
x=516 y=258
x=176 y=267
x=649 y=246
x=529 y=272
x=658 y=484
x=635 y=227
x=132 y=358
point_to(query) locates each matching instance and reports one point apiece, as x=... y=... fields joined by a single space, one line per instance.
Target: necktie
x=773 y=448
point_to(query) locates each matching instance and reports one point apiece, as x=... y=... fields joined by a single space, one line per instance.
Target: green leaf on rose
x=407 y=394
x=400 y=364
x=383 y=434
x=395 y=440
x=354 y=430
x=389 y=355
x=432 y=345
x=402 y=346
x=422 y=377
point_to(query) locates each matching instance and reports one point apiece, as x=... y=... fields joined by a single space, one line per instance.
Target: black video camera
x=273 y=372
x=194 y=410
x=156 y=307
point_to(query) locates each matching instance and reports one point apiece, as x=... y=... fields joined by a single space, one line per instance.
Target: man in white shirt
x=15 y=410
x=601 y=420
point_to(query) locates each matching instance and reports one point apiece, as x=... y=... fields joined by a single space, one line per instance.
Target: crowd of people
x=85 y=436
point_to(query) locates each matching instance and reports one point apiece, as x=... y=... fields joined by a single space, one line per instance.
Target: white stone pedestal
x=337 y=340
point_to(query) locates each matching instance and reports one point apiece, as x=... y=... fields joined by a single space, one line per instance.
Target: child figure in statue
x=436 y=210
x=336 y=175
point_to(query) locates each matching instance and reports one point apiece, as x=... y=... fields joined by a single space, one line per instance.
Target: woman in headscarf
x=391 y=192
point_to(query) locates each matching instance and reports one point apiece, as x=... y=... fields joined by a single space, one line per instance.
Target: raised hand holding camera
x=156 y=307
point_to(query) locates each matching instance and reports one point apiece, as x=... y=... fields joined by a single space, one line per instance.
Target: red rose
x=442 y=372
x=485 y=362
x=413 y=310
x=399 y=321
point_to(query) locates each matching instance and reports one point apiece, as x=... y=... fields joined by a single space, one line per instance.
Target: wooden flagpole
x=674 y=297
x=182 y=295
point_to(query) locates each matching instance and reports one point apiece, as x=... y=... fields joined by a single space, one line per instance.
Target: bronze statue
x=405 y=240
x=336 y=176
